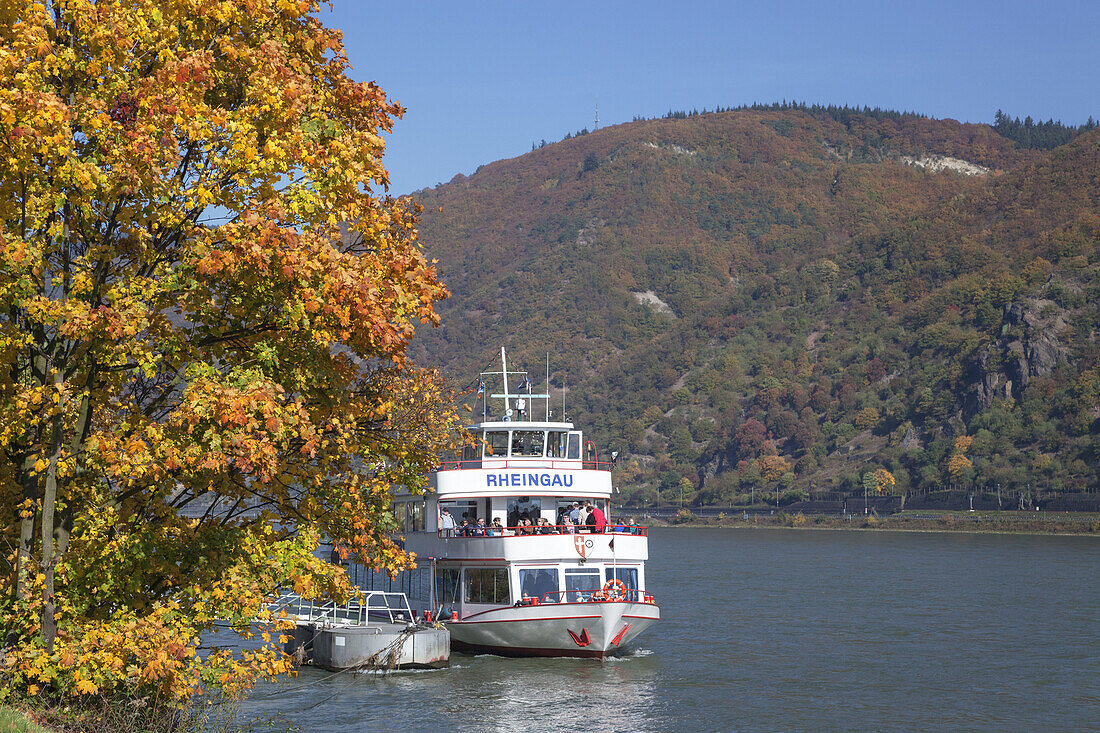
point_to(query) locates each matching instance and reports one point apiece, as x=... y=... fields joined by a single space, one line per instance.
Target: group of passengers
x=580 y=517
x=586 y=517
x=468 y=527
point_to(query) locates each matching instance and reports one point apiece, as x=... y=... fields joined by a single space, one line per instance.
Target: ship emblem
x=583 y=639
x=619 y=636
x=582 y=545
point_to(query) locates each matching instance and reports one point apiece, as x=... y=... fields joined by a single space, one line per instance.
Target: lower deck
x=467 y=590
x=461 y=587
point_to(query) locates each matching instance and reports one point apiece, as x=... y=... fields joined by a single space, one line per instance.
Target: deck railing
x=379 y=605
x=599 y=595
x=518 y=462
x=546 y=530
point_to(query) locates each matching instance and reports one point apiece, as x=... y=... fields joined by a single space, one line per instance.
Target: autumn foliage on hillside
x=793 y=298
x=204 y=370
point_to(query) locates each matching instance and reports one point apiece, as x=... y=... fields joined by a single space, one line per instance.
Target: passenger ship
x=520 y=589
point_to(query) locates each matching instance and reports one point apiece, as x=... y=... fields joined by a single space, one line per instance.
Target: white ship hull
x=555 y=630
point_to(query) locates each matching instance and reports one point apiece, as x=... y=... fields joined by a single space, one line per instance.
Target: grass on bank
x=16 y=721
x=212 y=714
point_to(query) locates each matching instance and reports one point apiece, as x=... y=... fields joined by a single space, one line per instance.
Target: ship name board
x=528 y=479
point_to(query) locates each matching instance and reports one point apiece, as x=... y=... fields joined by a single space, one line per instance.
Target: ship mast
x=504 y=364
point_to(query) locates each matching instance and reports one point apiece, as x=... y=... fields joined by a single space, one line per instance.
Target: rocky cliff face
x=1030 y=346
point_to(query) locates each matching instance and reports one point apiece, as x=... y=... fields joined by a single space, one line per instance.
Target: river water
x=771 y=629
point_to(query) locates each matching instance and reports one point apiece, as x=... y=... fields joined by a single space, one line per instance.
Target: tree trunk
x=26 y=527
x=20 y=588
x=83 y=426
x=49 y=502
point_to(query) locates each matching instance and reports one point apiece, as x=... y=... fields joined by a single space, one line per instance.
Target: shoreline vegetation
x=15 y=720
x=1016 y=522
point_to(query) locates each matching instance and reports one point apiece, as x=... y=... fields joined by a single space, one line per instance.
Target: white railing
x=377 y=605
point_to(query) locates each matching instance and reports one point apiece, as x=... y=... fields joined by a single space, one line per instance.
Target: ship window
x=523 y=507
x=580 y=583
x=527 y=442
x=446 y=586
x=496 y=443
x=470 y=453
x=574 y=446
x=537 y=582
x=629 y=576
x=416 y=517
x=399 y=512
x=486 y=585
x=555 y=444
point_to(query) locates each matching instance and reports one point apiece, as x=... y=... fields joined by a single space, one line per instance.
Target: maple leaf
x=86 y=687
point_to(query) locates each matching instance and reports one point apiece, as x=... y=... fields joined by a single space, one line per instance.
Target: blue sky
x=481 y=81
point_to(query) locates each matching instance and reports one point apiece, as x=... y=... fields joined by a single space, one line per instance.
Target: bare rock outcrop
x=1030 y=346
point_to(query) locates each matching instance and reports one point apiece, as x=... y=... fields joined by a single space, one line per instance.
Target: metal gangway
x=377 y=606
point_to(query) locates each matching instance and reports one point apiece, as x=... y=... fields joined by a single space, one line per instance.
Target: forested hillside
x=792 y=298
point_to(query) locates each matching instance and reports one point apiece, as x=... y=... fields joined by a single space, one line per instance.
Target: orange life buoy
x=615 y=590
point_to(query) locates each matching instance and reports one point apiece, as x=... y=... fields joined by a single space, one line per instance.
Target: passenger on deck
x=496 y=530
x=575 y=513
x=464 y=527
x=479 y=529
x=596 y=519
x=601 y=519
x=567 y=525
x=582 y=519
x=446 y=523
x=631 y=526
x=545 y=527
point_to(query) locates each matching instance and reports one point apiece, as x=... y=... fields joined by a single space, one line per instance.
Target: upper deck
x=618 y=542
x=521 y=450
x=524 y=456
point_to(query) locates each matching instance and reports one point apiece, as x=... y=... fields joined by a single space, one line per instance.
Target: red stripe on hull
x=512 y=620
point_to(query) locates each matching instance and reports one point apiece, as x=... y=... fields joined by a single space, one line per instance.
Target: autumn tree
x=867 y=418
x=959 y=466
x=750 y=437
x=772 y=468
x=207 y=304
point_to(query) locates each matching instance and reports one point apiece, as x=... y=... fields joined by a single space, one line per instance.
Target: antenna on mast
x=504 y=373
x=597 y=114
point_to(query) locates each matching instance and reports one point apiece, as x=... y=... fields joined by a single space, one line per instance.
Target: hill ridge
x=762 y=228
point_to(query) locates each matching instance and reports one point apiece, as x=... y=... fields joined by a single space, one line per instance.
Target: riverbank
x=1014 y=522
x=13 y=720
